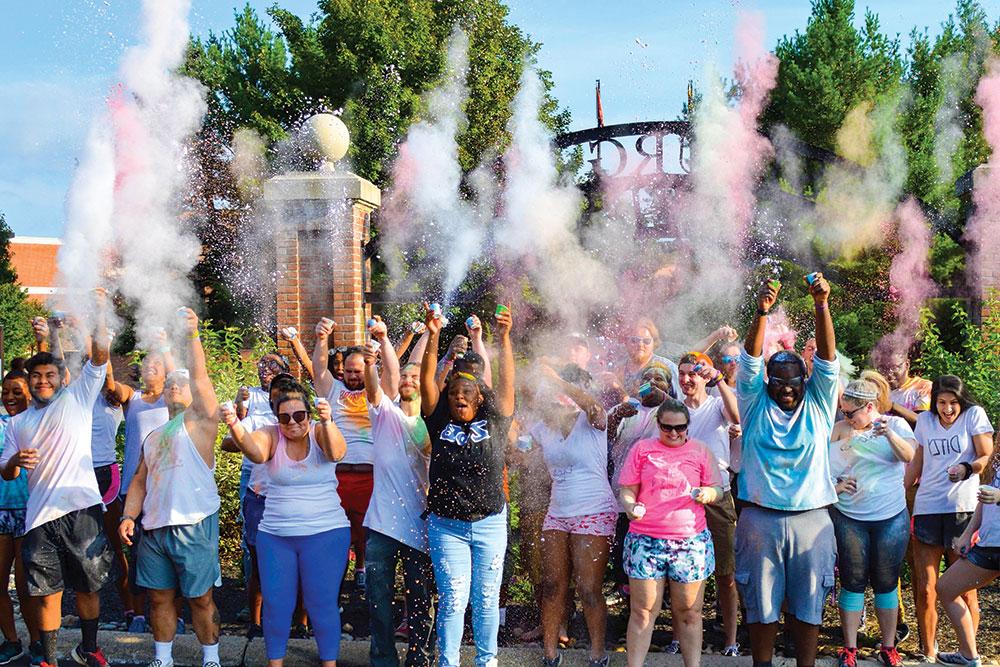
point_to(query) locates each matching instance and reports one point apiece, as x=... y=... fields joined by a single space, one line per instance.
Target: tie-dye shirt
x=13 y=493
x=350 y=414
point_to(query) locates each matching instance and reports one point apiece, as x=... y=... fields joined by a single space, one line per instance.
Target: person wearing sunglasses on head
x=665 y=484
x=304 y=533
x=174 y=492
x=785 y=544
x=868 y=456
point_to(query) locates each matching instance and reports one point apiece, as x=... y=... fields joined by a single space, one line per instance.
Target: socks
x=48 y=640
x=210 y=653
x=164 y=652
x=89 y=630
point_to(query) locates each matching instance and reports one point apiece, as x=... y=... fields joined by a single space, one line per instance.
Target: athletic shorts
x=721 y=519
x=181 y=557
x=355 y=490
x=12 y=522
x=987 y=558
x=685 y=561
x=69 y=551
x=253 y=511
x=602 y=524
x=109 y=481
x=940 y=530
x=784 y=558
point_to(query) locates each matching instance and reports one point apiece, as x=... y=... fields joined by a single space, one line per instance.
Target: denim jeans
x=468 y=564
x=418 y=583
x=870 y=552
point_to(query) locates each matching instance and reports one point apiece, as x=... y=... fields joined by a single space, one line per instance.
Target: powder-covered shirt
x=631 y=430
x=399 y=494
x=710 y=425
x=63 y=481
x=141 y=417
x=467 y=462
x=104 y=432
x=989 y=527
x=786 y=461
x=870 y=460
x=350 y=414
x=13 y=493
x=943 y=448
x=259 y=415
x=915 y=395
x=666 y=477
x=578 y=465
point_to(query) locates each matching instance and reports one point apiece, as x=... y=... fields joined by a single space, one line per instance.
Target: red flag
x=600 y=109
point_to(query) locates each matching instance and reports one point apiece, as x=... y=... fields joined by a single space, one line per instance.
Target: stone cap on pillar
x=326 y=186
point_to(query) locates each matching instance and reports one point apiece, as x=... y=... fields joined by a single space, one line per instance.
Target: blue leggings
x=318 y=562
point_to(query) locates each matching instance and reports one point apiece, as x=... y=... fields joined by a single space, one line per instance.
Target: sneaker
x=731 y=651
x=156 y=662
x=402 y=632
x=902 y=632
x=243 y=615
x=552 y=662
x=138 y=624
x=254 y=631
x=299 y=631
x=36 y=654
x=890 y=657
x=848 y=657
x=180 y=626
x=90 y=659
x=211 y=663
x=674 y=648
x=956 y=658
x=599 y=662
x=10 y=651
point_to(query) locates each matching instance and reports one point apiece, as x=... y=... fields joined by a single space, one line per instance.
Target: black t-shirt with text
x=467 y=462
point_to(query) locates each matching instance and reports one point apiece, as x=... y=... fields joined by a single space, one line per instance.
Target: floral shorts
x=685 y=561
x=12 y=522
x=602 y=524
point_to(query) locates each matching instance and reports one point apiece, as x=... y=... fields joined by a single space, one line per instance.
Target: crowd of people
x=759 y=467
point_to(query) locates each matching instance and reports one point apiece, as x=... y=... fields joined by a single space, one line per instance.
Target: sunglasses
x=298 y=417
x=778 y=383
x=849 y=414
x=676 y=428
x=635 y=340
x=727 y=359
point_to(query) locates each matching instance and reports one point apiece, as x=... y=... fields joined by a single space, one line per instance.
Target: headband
x=861 y=394
x=466 y=376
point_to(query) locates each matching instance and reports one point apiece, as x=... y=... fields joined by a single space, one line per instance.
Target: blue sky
x=60 y=58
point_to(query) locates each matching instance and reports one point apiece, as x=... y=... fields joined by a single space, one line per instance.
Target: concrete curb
x=122 y=648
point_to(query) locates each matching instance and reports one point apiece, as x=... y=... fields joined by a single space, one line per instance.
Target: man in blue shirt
x=785 y=545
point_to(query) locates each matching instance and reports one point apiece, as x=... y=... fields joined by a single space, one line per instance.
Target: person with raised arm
x=397 y=529
x=467 y=509
x=64 y=542
x=785 y=544
x=174 y=492
x=355 y=471
x=290 y=335
x=304 y=534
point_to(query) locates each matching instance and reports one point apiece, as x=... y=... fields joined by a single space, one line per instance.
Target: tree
x=830 y=69
x=7 y=272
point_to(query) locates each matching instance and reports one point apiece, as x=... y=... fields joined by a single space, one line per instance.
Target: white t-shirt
x=989 y=528
x=399 y=495
x=259 y=415
x=141 y=417
x=63 y=481
x=710 y=425
x=578 y=466
x=631 y=430
x=104 y=432
x=879 y=474
x=943 y=448
x=350 y=414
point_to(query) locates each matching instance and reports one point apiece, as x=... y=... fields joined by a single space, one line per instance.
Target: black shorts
x=987 y=558
x=940 y=530
x=69 y=551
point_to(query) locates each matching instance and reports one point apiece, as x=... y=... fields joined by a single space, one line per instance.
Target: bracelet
x=761 y=312
x=194 y=336
x=968 y=469
x=714 y=382
x=821 y=305
x=126 y=517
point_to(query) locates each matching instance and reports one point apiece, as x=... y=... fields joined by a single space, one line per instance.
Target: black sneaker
x=552 y=662
x=36 y=654
x=254 y=631
x=10 y=651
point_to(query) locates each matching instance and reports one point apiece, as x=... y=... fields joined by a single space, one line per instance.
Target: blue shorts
x=987 y=558
x=253 y=511
x=685 y=561
x=183 y=557
x=12 y=522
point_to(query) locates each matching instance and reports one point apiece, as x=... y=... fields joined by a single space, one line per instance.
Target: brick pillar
x=984 y=275
x=320 y=221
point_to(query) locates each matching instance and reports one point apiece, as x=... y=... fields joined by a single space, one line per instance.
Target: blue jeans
x=870 y=552
x=382 y=553
x=468 y=558
x=314 y=563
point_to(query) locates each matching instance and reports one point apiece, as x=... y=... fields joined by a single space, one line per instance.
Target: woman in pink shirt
x=665 y=484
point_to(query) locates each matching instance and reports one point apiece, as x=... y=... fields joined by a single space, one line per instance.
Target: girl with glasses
x=665 y=484
x=304 y=534
x=868 y=455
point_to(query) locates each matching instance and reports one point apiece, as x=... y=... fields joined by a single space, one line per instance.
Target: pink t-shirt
x=666 y=476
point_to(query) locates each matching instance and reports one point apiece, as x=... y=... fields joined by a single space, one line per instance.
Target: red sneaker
x=90 y=659
x=890 y=657
x=848 y=657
